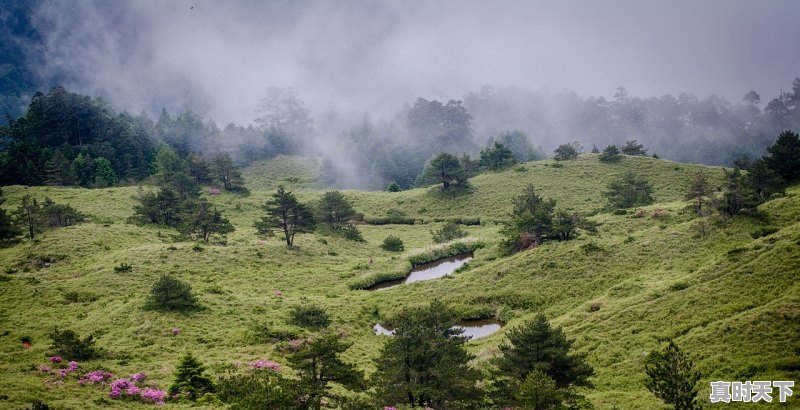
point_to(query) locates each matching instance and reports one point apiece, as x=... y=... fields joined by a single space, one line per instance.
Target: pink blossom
x=138 y=377
x=95 y=377
x=133 y=391
x=63 y=373
x=268 y=364
x=44 y=369
x=56 y=359
x=175 y=331
x=278 y=294
x=214 y=191
x=119 y=387
x=72 y=366
x=153 y=395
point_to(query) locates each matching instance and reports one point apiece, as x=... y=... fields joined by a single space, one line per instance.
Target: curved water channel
x=428 y=271
x=473 y=329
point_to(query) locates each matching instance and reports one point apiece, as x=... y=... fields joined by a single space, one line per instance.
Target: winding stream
x=473 y=329
x=428 y=271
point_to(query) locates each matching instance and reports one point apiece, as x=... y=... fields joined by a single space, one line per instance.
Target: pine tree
x=104 y=172
x=672 y=378
x=764 y=181
x=633 y=147
x=190 y=379
x=334 y=210
x=629 y=190
x=226 y=172
x=319 y=364
x=537 y=346
x=497 y=157
x=699 y=188
x=30 y=216
x=784 y=156
x=610 y=154
x=8 y=230
x=285 y=212
x=58 y=170
x=208 y=220
x=445 y=169
x=425 y=362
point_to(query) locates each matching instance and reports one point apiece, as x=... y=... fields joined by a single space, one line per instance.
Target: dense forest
x=66 y=138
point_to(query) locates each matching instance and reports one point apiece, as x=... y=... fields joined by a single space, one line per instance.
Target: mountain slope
x=731 y=301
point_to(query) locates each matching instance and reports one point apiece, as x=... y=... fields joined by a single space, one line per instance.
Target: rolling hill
x=730 y=298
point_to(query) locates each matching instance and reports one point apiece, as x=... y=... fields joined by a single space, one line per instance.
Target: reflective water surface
x=428 y=271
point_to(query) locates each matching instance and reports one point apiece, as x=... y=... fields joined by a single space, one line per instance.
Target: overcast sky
x=219 y=56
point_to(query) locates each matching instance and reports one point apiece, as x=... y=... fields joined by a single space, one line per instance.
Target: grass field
x=730 y=300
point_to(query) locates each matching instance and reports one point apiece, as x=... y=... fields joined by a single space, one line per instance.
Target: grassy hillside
x=731 y=299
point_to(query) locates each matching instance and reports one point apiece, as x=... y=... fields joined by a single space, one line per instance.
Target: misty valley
x=371 y=226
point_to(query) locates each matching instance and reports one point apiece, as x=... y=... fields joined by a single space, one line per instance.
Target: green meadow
x=729 y=298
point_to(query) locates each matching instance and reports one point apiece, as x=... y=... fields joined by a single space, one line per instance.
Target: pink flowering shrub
x=95 y=377
x=129 y=389
x=72 y=366
x=214 y=191
x=44 y=369
x=266 y=364
x=175 y=331
x=56 y=359
x=154 y=396
x=119 y=388
x=278 y=294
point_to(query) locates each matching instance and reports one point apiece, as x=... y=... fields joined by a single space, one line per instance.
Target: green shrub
x=170 y=294
x=762 y=232
x=448 y=232
x=565 y=152
x=267 y=332
x=678 y=286
x=380 y=220
x=69 y=345
x=455 y=249
x=393 y=187
x=259 y=390
x=592 y=247
x=123 y=267
x=350 y=232
x=367 y=281
x=197 y=247
x=76 y=297
x=310 y=316
x=392 y=244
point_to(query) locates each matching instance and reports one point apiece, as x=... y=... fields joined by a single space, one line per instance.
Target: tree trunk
x=30 y=225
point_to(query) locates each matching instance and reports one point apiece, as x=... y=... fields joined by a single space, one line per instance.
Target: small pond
x=428 y=271
x=474 y=329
